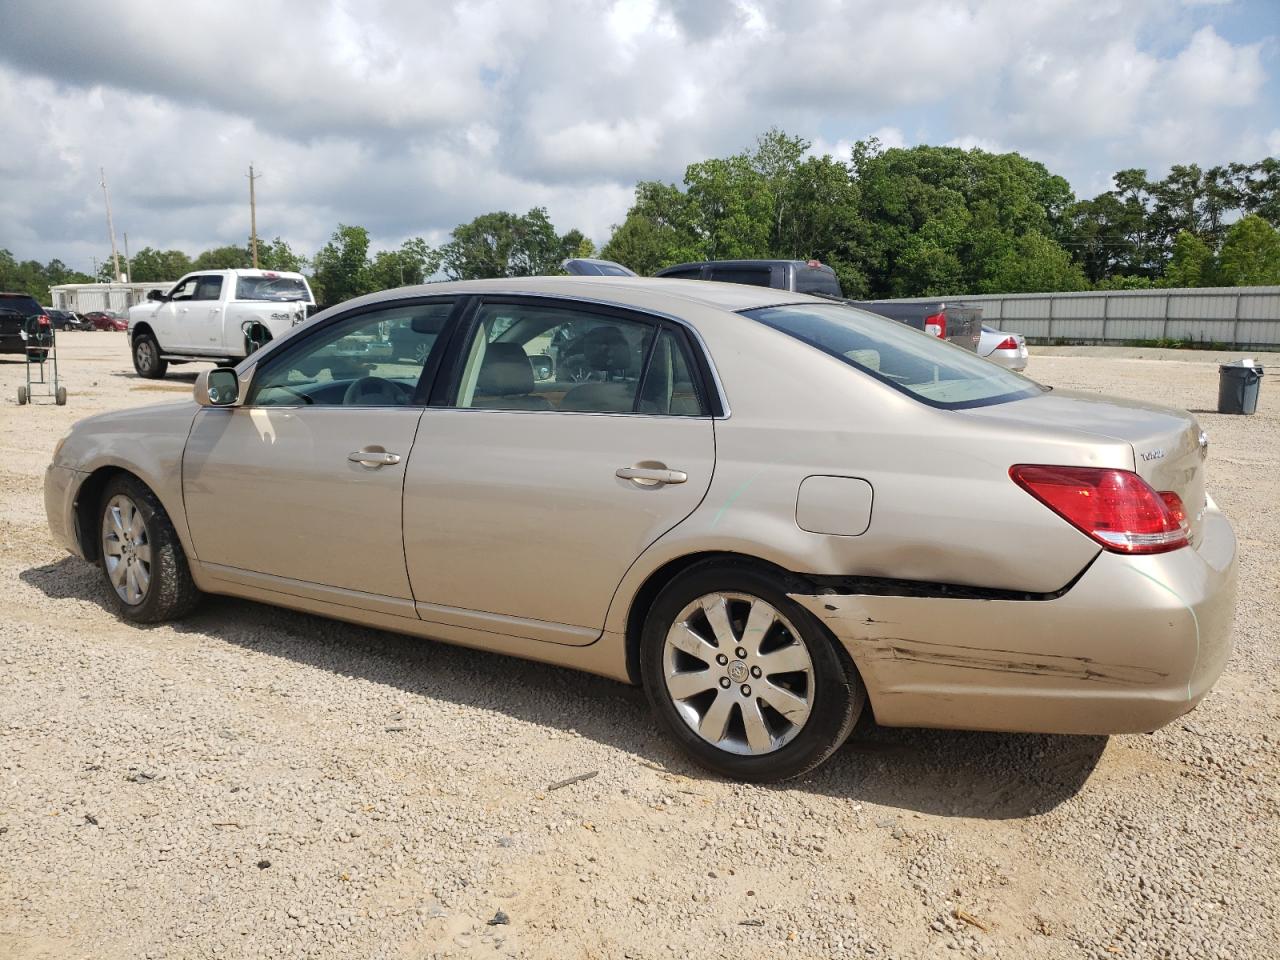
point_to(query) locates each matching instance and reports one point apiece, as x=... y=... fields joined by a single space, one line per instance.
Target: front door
x=302 y=483
x=573 y=439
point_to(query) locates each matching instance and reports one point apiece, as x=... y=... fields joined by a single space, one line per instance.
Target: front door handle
x=374 y=458
x=651 y=476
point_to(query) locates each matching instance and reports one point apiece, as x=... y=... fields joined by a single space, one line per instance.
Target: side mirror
x=219 y=387
x=156 y=295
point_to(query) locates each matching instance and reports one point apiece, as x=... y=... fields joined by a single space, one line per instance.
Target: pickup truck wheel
x=146 y=357
x=142 y=558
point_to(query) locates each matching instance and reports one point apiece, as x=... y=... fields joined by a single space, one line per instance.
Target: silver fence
x=1237 y=317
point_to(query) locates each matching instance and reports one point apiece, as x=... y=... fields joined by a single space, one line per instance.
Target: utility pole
x=253 y=217
x=128 y=267
x=115 y=257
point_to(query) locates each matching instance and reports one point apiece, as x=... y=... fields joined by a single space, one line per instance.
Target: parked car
x=955 y=324
x=106 y=320
x=773 y=511
x=20 y=322
x=801 y=276
x=220 y=316
x=65 y=320
x=590 y=267
x=1007 y=349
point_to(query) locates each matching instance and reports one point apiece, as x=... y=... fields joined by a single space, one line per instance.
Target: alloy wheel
x=738 y=673
x=145 y=354
x=126 y=549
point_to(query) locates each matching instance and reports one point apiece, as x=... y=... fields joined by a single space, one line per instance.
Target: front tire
x=747 y=681
x=146 y=357
x=141 y=557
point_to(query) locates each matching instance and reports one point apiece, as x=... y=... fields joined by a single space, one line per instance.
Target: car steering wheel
x=375 y=392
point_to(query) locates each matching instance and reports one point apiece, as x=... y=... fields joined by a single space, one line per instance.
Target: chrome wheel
x=738 y=673
x=145 y=353
x=126 y=549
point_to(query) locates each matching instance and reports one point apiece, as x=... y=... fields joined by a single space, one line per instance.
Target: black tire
x=171 y=593
x=22 y=396
x=837 y=694
x=146 y=357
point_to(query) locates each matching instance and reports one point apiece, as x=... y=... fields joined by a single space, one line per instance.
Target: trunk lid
x=1169 y=448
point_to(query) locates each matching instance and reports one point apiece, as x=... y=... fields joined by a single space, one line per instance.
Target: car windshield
x=931 y=370
x=271 y=288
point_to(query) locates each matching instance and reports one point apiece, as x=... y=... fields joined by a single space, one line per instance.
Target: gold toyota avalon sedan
x=770 y=510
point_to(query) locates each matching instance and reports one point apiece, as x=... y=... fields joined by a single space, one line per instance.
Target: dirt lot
x=254 y=782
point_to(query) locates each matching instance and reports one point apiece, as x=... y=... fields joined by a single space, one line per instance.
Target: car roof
x=643 y=293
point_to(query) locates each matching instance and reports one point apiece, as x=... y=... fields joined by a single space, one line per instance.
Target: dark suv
x=20 y=313
x=954 y=323
x=801 y=276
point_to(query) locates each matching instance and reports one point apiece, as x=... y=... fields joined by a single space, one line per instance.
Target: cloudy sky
x=410 y=116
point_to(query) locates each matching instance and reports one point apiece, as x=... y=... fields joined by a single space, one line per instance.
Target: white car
x=1007 y=349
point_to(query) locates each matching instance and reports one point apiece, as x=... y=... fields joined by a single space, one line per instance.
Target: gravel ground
x=255 y=782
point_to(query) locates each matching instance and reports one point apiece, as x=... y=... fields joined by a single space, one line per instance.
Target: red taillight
x=43 y=321
x=936 y=325
x=1117 y=508
x=1008 y=343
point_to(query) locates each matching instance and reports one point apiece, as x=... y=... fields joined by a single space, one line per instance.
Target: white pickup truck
x=220 y=316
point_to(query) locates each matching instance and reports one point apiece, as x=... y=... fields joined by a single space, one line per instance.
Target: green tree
x=340 y=269
x=1250 y=253
x=34 y=278
x=223 y=258
x=505 y=244
x=278 y=255
x=414 y=263
x=150 y=265
x=1035 y=265
x=1191 y=263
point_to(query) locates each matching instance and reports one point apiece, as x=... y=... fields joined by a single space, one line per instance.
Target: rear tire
x=146 y=357
x=737 y=726
x=60 y=396
x=141 y=556
x=22 y=396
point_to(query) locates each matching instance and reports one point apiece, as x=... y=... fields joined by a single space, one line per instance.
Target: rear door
x=532 y=490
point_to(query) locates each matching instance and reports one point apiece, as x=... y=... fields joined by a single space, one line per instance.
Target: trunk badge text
x=1156 y=454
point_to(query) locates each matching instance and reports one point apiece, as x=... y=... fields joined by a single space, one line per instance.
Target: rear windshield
x=271 y=288
x=929 y=369
x=813 y=280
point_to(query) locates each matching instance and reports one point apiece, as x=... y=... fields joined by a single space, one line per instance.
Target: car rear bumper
x=1135 y=643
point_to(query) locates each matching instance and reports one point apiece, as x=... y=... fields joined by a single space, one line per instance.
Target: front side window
x=185 y=290
x=372 y=359
x=929 y=369
x=527 y=357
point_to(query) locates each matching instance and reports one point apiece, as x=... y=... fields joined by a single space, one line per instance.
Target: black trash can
x=1238 y=385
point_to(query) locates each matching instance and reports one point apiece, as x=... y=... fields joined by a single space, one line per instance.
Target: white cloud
x=409 y=116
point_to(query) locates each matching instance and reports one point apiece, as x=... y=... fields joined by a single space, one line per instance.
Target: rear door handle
x=374 y=458
x=651 y=476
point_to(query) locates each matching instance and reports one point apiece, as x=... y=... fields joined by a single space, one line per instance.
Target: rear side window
x=691 y=273
x=753 y=276
x=922 y=366
x=271 y=288
x=208 y=288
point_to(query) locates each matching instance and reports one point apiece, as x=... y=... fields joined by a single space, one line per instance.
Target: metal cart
x=42 y=363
